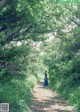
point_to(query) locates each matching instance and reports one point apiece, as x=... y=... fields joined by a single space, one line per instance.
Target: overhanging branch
x=15 y=35
x=4 y=3
x=72 y=19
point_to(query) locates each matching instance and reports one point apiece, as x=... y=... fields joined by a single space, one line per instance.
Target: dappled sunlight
x=44 y=100
x=40 y=39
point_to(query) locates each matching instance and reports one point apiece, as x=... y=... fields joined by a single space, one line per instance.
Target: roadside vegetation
x=26 y=50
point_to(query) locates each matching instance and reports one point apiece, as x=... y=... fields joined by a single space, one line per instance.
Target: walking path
x=45 y=100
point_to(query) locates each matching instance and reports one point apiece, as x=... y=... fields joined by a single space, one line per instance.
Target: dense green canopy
x=25 y=26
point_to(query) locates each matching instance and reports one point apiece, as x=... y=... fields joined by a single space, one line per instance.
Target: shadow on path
x=44 y=100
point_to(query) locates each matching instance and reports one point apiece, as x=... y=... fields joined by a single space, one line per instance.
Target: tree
x=62 y=54
x=21 y=23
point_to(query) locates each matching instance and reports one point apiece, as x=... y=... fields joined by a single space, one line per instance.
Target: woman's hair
x=45 y=71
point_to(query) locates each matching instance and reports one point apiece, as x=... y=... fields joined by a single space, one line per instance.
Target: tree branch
x=72 y=19
x=15 y=35
x=4 y=3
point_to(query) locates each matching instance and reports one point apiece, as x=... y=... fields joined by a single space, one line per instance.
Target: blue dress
x=45 y=80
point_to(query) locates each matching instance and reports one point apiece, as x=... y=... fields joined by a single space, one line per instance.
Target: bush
x=18 y=93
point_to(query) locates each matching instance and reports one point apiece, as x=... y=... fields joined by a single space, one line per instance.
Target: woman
x=45 y=79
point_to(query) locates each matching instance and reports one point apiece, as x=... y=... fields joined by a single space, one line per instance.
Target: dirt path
x=44 y=100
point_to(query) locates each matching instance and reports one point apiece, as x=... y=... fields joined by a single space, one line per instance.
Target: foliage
x=63 y=55
x=21 y=25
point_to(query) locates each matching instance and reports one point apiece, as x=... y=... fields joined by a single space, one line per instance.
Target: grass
x=18 y=93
